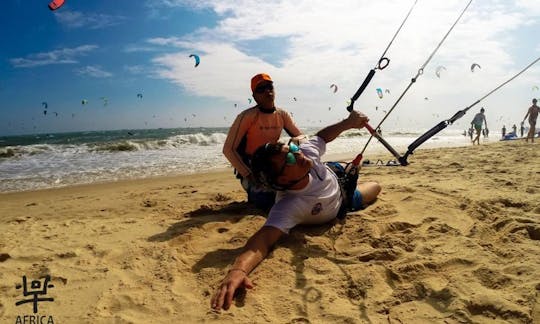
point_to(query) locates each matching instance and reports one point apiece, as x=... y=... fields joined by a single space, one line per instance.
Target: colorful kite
x=55 y=4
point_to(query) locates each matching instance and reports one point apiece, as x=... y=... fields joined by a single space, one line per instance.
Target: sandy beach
x=453 y=238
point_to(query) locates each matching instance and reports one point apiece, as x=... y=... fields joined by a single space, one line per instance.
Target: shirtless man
x=532 y=113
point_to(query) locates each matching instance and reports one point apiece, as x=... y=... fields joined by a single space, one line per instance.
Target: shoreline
x=378 y=153
x=34 y=167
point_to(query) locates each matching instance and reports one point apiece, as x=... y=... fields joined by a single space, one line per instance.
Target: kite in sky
x=55 y=4
x=379 y=92
x=438 y=70
x=105 y=101
x=333 y=86
x=197 y=59
x=475 y=65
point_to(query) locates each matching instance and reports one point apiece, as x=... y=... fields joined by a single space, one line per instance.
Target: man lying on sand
x=308 y=194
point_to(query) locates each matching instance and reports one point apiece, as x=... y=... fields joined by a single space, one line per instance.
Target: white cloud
x=60 y=56
x=94 y=71
x=340 y=41
x=77 y=19
x=531 y=6
x=136 y=69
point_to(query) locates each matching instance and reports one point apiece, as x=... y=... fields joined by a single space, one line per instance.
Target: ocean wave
x=114 y=147
x=199 y=139
x=404 y=133
x=171 y=143
x=18 y=151
x=7 y=152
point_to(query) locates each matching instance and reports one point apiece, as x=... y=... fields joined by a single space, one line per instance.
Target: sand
x=453 y=238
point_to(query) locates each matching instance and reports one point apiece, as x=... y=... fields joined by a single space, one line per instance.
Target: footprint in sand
x=491 y=279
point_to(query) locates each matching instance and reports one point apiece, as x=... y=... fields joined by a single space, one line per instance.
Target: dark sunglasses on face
x=263 y=88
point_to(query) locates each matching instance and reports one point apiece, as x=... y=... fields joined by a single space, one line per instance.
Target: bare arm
x=234 y=137
x=527 y=114
x=255 y=250
x=290 y=126
x=355 y=120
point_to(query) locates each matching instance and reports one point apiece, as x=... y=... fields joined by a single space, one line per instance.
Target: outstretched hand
x=223 y=296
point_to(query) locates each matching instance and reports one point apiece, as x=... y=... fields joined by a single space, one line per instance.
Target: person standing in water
x=477 y=122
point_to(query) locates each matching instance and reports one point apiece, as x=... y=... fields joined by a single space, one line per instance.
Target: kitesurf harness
x=347 y=173
x=347 y=176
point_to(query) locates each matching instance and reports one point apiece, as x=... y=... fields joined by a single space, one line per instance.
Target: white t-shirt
x=317 y=203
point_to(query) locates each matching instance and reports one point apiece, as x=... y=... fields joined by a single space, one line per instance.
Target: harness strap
x=347 y=177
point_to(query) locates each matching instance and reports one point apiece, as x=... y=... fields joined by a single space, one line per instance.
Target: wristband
x=238 y=269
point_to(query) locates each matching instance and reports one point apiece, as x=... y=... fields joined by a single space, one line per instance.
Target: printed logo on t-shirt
x=316 y=209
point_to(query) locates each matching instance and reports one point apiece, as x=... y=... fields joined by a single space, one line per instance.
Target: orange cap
x=258 y=79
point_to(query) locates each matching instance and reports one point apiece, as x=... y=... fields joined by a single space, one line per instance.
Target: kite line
x=418 y=74
x=381 y=64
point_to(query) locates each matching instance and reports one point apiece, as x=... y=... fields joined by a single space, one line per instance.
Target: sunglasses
x=290 y=159
x=264 y=87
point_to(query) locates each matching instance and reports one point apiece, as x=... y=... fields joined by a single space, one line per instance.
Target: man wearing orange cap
x=252 y=128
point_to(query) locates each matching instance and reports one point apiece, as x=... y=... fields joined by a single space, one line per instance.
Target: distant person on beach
x=503 y=131
x=522 y=128
x=477 y=122
x=532 y=113
x=309 y=194
x=252 y=128
x=470 y=131
x=514 y=129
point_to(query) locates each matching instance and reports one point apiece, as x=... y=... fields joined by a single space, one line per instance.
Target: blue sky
x=117 y=49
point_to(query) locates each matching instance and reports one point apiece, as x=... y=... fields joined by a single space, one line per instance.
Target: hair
x=482 y=110
x=262 y=167
x=534 y=100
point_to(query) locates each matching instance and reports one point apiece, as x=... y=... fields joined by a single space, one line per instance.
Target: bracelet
x=238 y=269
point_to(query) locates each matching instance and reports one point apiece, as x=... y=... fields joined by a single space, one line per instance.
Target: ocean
x=31 y=162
